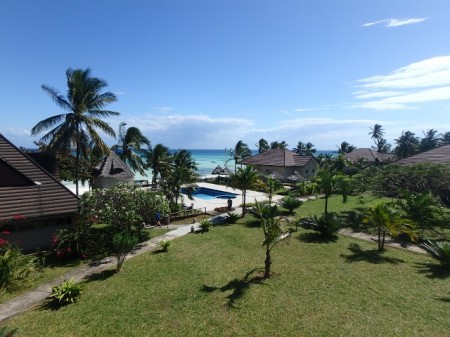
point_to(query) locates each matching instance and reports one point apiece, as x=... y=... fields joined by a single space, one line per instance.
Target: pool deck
x=213 y=203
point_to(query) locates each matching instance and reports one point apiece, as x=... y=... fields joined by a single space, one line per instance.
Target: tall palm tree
x=376 y=133
x=407 y=144
x=383 y=146
x=129 y=147
x=77 y=128
x=300 y=149
x=346 y=148
x=445 y=138
x=429 y=141
x=279 y=145
x=159 y=160
x=244 y=179
x=262 y=145
x=240 y=152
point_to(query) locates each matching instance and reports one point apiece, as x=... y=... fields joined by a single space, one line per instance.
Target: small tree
x=290 y=203
x=273 y=232
x=245 y=179
x=123 y=243
x=325 y=181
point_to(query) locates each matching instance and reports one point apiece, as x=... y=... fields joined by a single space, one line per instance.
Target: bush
x=165 y=244
x=327 y=224
x=439 y=250
x=67 y=292
x=6 y=332
x=15 y=268
x=123 y=243
x=232 y=217
x=290 y=203
x=205 y=225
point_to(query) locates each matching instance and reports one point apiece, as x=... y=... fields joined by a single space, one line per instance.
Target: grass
x=207 y=285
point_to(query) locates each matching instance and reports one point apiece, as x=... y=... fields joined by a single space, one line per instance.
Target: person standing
x=229 y=204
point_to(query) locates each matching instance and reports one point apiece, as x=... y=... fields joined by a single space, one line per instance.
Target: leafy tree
x=273 y=233
x=407 y=144
x=240 y=152
x=159 y=160
x=76 y=128
x=15 y=268
x=244 y=179
x=262 y=145
x=123 y=243
x=429 y=141
x=130 y=145
x=346 y=147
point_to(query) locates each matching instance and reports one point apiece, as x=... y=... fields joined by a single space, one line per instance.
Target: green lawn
x=200 y=288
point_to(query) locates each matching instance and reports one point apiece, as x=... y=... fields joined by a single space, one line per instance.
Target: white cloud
x=419 y=82
x=395 y=22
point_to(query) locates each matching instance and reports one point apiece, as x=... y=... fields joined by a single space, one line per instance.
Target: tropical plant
x=278 y=145
x=429 y=141
x=129 y=147
x=15 y=268
x=273 y=233
x=7 y=332
x=439 y=250
x=165 y=245
x=445 y=138
x=290 y=203
x=376 y=133
x=344 y=186
x=304 y=149
x=262 y=145
x=383 y=146
x=407 y=144
x=271 y=185
x=205 y=225
x=326 y=183
x=326 y=224
x=67 y=292
x=159 y=160
x=123 y=244
x=84 y=103
x=232 y=217
x=387 y=221
x=240 y=152
x=245 y=178
x=346 y=147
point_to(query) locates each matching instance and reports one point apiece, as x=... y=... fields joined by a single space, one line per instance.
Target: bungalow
x=370 y=156
x=33 y=203
x=439 y=155
x=284 y=165
x=111 y=171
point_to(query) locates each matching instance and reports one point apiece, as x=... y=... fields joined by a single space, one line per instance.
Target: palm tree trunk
x=267 y=263
x=326 y=203
x=77 y=160
x=243 y=202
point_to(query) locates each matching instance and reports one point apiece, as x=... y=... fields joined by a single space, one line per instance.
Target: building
x=283 y=165
x=370 y=156
x=33 y=203
x=439 y=155
x=111 y=171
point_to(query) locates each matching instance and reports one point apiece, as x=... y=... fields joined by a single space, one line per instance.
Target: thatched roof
x=279 y=158
x=223 y=171
x=370 y=155
x=27 y=190
x=439 y=155
x=113 y=167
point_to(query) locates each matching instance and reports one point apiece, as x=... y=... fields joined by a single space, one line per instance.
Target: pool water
x=210 y=194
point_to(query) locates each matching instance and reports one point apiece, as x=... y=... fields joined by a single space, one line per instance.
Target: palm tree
x=159 y=160
x=244 y=179
x=271 y=185
x=346 y=148
x=278 y=145
x=300 y=149
x=129 y=147
x=262 y=145
x=376 y=133
x=430 y=140
x=77 y=128
x=326 y=183
x=310 y=149
x=407 y=144
x=445 y=138
x=383 y=146
x=240 y=152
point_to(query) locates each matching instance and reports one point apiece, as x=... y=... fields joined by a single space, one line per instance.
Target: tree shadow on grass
x=371 y=255
x=238 y=287
x=101 y=276
x=252 y=223
x=313 y=237
x=433 y=270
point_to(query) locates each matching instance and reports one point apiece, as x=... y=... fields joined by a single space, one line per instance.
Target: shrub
x=290 y=203
x=439 y=250
x=6 y=332
x=327 y=224
x=15 y=268
x=165 y=244
x=67 y=292
x=232 y=217
x=123 y=243
x=205 y=225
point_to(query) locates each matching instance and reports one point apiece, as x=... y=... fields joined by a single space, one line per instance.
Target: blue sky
x=205 y=73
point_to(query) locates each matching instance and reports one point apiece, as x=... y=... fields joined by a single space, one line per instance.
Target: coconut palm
x=159 y=160
x=429 y=141
x=376 y=133
x=244 y=179
x=129 y=147
x=346 y=148
x=278 y=145
x=383 y=146
x=407 y=144
x=445 y=138
x=326 y=182
x=262 y=145
x=77 y=128
x=240 y=152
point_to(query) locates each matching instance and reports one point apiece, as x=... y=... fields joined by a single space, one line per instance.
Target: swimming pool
x=209 y=193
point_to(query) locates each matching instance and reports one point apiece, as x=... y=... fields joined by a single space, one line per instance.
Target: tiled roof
x=370 y=155
x=113 y=166
x=439 y=155
x=279 y=158
x=27 y=190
